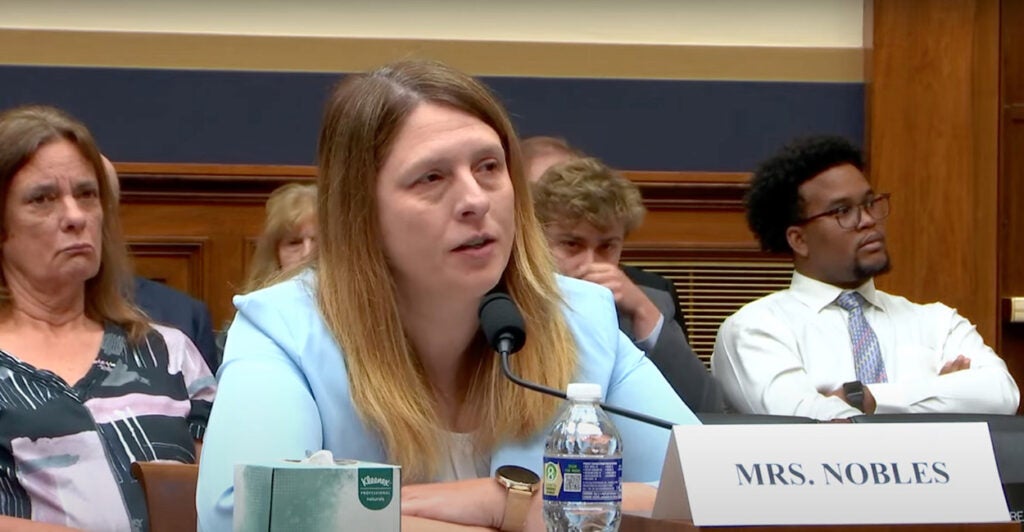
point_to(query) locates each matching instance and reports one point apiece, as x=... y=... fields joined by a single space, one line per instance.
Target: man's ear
x=795 y=238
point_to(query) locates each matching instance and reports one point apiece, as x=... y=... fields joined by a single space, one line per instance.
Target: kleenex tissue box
x=317 y=495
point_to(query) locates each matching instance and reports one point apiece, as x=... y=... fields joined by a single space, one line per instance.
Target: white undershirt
x=462 y=462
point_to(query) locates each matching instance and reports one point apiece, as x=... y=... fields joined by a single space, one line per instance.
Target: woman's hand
x=475 y=502
x=422 y=524
x=638 y=497
x=481 y=502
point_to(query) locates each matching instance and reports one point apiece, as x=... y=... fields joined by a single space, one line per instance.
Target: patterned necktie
x=867 y=357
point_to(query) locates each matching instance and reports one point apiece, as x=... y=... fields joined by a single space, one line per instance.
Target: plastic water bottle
x=582 y=476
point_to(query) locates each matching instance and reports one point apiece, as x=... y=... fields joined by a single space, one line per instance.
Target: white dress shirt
x=782 y=353
x=647 y=344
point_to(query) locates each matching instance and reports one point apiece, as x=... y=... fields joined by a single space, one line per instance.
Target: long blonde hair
x=356 y=291
x=288 y=207
x=23 y=131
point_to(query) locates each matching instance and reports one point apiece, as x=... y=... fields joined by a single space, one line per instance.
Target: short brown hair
x=23 y=131
x=586 y=190
x=542 y=145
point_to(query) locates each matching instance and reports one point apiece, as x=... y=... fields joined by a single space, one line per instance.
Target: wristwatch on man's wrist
x=854 y=391
x=520 y=484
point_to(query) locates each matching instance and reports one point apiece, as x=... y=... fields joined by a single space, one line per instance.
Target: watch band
x=517 y=505
x=520 y=484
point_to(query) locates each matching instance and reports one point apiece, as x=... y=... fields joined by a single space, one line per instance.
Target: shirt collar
x=818 y=295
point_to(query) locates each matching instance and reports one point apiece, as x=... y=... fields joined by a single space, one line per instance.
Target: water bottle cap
x=584 y=391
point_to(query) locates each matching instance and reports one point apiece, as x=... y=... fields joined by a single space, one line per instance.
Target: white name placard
x=831 y=473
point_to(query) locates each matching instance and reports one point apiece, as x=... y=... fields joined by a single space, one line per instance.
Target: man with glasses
x=832 y=346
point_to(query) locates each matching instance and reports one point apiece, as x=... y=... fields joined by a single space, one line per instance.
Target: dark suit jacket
x=168 y=306
x=674 y=357
x=653 y=280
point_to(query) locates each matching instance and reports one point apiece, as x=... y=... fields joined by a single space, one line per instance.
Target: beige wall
x=785 y=23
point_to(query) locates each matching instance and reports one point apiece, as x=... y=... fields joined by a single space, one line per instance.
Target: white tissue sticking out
x=321 y=457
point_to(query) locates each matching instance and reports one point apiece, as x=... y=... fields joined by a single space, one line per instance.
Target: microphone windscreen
x=500 y=318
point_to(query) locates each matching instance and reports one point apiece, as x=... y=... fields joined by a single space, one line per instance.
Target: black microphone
x=505 y=331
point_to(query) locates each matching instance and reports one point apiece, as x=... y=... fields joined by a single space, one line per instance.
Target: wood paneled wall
x=193 y=226
x=945 y=124
x=1011 y=190
x=692 y=211
x=933 y=141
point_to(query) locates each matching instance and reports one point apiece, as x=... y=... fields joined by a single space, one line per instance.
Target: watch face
x=518 y=474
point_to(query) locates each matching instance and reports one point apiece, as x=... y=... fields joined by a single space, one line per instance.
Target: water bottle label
x=577 y=479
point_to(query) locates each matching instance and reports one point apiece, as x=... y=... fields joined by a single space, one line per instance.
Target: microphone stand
x=543 y=389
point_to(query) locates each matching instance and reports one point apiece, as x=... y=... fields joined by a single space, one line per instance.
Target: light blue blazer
x=283 y=389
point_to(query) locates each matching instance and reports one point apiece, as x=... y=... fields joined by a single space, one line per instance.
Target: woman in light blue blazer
x=375 y=352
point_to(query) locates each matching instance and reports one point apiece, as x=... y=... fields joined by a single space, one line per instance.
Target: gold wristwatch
x=520 y=484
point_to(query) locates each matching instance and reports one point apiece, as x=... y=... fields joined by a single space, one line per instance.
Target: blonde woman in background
x=289 y=234
x=287 y=242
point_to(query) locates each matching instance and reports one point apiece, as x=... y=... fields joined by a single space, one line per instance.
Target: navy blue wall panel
x=273 y=117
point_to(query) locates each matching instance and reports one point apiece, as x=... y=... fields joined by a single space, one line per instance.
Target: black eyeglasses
x=848 y=216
